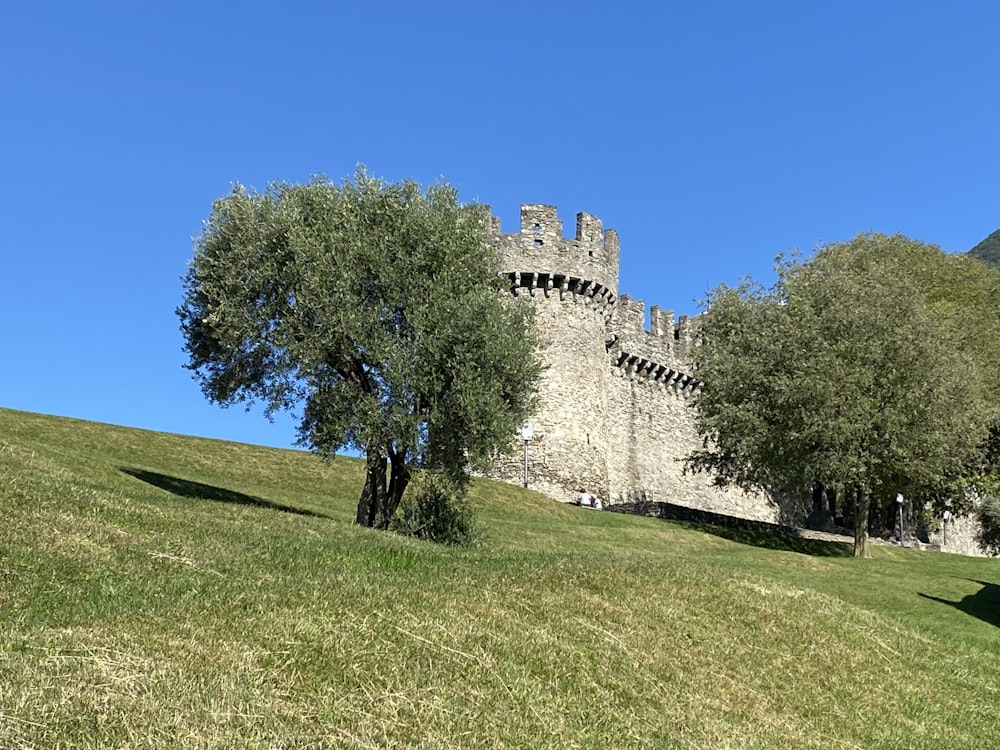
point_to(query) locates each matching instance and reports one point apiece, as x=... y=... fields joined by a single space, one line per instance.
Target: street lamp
x=527 y=432
x=902 y=534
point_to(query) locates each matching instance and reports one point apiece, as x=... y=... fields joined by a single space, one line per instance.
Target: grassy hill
x=167 y=591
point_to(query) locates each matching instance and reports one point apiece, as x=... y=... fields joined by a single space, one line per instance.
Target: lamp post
x=902 y=534
x=527 y=432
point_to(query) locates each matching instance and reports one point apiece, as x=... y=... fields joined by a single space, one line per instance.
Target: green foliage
x=984 y=484
x=434 y=508
x=964 y=294
x=374 y=311
x=848 y=373
x=988 y=251
x=988 y=515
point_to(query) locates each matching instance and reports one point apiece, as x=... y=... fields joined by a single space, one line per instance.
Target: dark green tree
x=840 y=375
x=963 y=293
x=375 y=312
x=983 y=486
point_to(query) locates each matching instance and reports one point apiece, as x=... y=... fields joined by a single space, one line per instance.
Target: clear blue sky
x=712 y=135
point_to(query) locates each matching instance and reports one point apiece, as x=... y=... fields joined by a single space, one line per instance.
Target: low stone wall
x=962 y=532
x=673 y=512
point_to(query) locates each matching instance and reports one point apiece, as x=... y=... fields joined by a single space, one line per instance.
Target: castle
x=615 y=413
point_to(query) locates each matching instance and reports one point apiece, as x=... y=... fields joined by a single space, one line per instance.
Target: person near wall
x=583 y=499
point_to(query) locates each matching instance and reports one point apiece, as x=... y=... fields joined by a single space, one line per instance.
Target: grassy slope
x=155 y=591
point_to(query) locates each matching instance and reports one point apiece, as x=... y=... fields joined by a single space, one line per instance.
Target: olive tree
x=841 y=375
x=375 y=313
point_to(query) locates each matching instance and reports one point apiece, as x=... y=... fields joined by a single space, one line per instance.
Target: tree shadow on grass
x=199 y=491
x=784 y=540
x=984 y=604
x=741 y=530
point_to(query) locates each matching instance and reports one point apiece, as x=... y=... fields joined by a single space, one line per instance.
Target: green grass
x=167 y=591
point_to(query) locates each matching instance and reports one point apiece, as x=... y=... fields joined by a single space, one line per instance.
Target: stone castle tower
x=614 y=410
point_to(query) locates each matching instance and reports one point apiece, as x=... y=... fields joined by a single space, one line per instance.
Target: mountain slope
x=988 y=250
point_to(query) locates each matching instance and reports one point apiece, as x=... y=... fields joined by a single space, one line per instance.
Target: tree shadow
x=984 y=604
x=198 y=491
x=740 y=530
x=785 y=539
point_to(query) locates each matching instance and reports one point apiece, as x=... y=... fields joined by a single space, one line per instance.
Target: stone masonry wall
x=962 y=533
x=568 y=449
x=664 y=343
x=616 y=403
x=586 y=264
x=652 y=431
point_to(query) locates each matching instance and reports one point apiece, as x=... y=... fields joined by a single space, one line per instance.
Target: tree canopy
x=848 y=373
x=373 y=311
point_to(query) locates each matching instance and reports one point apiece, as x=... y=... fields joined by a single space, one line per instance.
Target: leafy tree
x=376 y=312
x=839 y=375
x=963 y=293
x=979 y=488
x=988 y=515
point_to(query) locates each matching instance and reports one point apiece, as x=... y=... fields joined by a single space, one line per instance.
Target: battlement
x=663 y=349
x=592 y=255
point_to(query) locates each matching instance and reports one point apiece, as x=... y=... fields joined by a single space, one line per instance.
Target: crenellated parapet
x=542 y=263
x=661 y=352
x=543 y=259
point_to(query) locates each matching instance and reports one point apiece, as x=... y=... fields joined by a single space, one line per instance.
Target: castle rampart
x=663 y=345
x=615 y=413
x=615 y=410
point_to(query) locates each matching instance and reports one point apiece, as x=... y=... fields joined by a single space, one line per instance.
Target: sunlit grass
x=166 y=591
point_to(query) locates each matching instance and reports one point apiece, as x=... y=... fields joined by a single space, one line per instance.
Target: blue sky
x=712 y=135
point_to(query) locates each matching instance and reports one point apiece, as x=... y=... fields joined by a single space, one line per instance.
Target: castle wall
x=652 y=427
x=616 y=402
x=962 y=533
x=615 y=411
x=568 y=448
x=663 y=343
x=962 y=536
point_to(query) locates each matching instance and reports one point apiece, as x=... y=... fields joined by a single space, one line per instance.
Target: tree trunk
x=373 y=493
x=380 y=497
x=862 y=502
x=397 y=485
